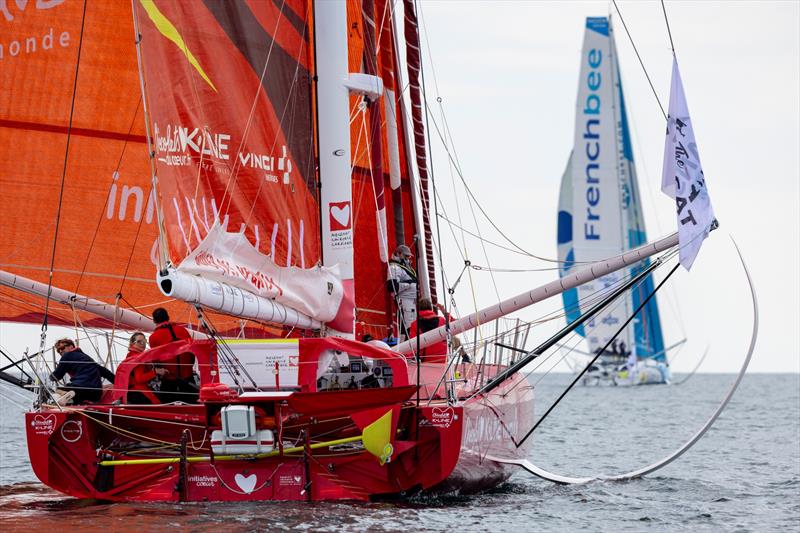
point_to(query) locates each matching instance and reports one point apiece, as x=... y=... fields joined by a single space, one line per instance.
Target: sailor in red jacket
x=427 y=320
x=178 y=382
x=166 y=331
x=139 y=390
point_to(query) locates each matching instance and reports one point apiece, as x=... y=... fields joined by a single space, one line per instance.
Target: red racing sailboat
x=259 y=157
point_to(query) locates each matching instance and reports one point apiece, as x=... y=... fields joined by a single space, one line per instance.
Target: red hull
x=62 y=448
x=492 y=426
x=436 y=447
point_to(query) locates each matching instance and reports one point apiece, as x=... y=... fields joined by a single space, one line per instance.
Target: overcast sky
x=507 y=74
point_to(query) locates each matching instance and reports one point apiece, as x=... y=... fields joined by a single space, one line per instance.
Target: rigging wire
x=633 y=44
x=43 y=389
x=577 y=378
x=448 y=144
x=480 y=207
x=463 y=230
x=162 y=256
x=669 y=32
x=64 y=171
x=150 y=195
x=671 y=296
x=589 y=300
x=451 y=142
x=284 y=111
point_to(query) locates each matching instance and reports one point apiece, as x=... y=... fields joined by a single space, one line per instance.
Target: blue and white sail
x=600 y=213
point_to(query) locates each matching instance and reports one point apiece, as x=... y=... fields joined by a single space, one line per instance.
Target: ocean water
x=744 y=475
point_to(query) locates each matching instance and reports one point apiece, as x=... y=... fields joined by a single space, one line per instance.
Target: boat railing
x=476 y=362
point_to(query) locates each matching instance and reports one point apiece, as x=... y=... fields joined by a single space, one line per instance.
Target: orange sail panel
x=71 y=114
x=229 y=91
x=51 y=56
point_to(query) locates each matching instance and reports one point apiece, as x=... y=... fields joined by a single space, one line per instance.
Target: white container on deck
x=239 y=434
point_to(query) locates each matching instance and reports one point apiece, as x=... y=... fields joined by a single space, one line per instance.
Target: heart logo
x=247 y=484
x=340 y=216
x=44 y=425
x=442 y=417
x=297 y=479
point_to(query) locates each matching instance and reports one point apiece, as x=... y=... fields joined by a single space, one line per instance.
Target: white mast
x=334 y=84
x=333 y=120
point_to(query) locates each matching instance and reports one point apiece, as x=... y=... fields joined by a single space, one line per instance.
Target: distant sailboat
x=600 y=215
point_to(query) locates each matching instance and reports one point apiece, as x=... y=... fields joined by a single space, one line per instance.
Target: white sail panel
x=596 y=201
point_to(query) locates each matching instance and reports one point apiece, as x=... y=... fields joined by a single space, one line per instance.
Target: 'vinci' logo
x=340 y=216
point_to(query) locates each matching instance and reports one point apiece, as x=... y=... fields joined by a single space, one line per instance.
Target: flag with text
x=683 y=178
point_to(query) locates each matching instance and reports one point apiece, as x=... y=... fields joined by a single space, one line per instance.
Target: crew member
x=402 y=283
x=429 y=320
x=166 y=331
x=177 y=383
x=140 y=391
x=85 y=374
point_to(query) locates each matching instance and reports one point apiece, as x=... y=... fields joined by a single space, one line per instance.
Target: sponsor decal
x=168 y=30
x=44 y=425
x=341 y=224
x=386 y=454
x=260 y=281
x=591 y=113
x=180 y=146
x=39 y=42
x=290 y=480
x=442 y=417
x=487 y=427
x=280 y=360
x=72 y=430
x=203 y=481
x=610 y=320
x=340 y=216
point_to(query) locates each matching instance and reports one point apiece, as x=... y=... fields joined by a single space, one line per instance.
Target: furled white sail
x=231 y=259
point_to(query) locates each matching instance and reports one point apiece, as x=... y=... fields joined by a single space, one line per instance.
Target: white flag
x=682 y=178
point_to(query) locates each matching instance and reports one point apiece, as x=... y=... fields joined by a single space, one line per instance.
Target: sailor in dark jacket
x=85 y=374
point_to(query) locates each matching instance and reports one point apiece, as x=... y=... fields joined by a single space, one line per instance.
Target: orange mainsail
x=231 y=107
x=229 y=91
x=73 y=162
x=75 y=177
